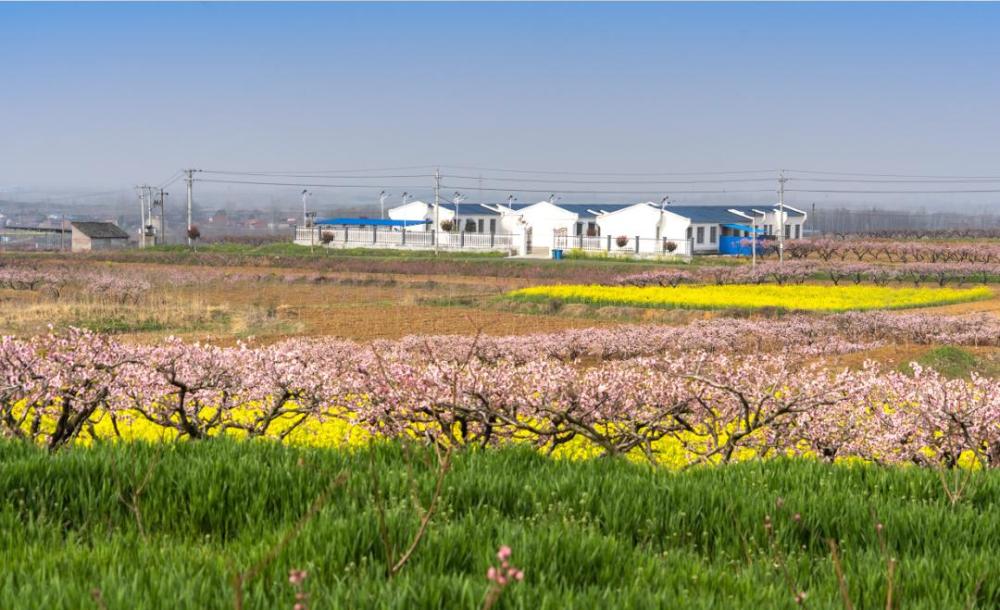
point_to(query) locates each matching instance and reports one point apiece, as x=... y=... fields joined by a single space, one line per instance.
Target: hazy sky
x=106 y=95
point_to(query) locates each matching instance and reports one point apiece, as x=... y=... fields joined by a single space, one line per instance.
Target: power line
x=304 y=184
x=572 y=181
x=907 y=192
x=334 y=172
x=339 y=177
x=605 y=192
x=173 y=178
x=828 y=173
x=568 y=173
x=900 y=181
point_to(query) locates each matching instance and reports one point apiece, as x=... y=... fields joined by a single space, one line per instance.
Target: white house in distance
x=545 y=219
x=703 y=226
x=645 y=228
x=419 y=210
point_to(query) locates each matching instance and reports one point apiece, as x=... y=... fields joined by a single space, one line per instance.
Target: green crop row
x=142 y=526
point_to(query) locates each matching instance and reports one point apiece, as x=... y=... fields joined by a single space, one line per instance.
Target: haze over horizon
x=105 y=96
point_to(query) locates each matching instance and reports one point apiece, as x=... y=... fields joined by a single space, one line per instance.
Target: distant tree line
x=902 y=223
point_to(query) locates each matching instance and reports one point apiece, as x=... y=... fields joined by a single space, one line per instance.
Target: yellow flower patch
x=806 y=297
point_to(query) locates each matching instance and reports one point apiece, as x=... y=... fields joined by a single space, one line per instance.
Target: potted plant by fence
x=447 y=226
x=622 y=241
x=670 y=246
x=326 y=237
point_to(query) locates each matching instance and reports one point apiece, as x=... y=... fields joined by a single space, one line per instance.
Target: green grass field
x=166 y=527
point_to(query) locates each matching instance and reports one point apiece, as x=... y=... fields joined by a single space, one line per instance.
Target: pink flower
x=296 y=577
x=504 y=553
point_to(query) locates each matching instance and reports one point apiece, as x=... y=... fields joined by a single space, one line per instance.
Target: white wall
x=418 y=210
x=545 y=219
x=707 y=244
x=636 y=220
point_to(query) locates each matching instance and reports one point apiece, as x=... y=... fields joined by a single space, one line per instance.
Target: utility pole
x=781 y=214
x=437 y=207
x=142 y=216
x=163 y=216
x=145 y=212
x=190 y=194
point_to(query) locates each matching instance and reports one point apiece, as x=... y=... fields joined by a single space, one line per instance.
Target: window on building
x=701 y=235
x=798 y=231
x=593 y=230
x=480 y=225
x=579 y=228
x=689 y=233
x=712 y=232
x=470 y=226
x=493 y=225
x=788 y=231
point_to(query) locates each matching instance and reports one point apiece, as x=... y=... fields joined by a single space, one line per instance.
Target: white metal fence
x=370 y=237
x=625 y=245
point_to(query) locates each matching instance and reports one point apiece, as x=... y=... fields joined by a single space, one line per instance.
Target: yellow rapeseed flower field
x=806 y=297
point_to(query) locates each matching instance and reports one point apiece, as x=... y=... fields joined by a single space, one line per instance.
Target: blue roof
x=743 y=228
x=708 y=213
x=377 y=222
x=580 y=209
x=469 y=209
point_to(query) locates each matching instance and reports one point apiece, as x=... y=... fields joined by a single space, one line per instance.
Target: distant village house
x=88 y=236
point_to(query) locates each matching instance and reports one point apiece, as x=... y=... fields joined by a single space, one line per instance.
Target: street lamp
x=305 y=209
x=753 y=236
x=381 y=203
x=457 y=199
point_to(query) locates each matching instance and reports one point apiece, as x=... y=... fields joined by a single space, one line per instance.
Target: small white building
x=695 y=229
x=644 y=220
x=419 y=210
x=546 y=220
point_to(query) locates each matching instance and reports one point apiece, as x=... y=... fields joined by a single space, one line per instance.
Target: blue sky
x=102 y=95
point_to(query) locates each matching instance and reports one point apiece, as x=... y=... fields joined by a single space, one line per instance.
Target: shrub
x=622 y=241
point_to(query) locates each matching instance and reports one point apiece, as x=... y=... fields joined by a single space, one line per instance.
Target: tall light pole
x=142 y=216
x=457 y=199
x=305 y=208
x=437 y=207
x=781 y=215
x=753 y=236
x=381 y=203
x=663 y=206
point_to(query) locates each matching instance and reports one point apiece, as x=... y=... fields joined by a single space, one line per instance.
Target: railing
x=625 y=245
x=361 y=237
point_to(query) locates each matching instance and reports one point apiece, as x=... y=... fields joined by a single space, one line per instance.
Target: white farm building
x=641 y=229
